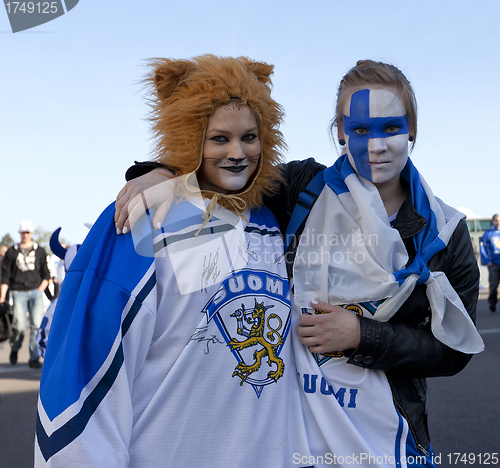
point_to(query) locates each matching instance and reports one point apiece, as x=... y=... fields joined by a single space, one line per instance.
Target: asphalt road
x=18 y=399
x=464 y=416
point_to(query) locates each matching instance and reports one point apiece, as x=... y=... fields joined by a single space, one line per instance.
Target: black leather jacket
x=404 y=347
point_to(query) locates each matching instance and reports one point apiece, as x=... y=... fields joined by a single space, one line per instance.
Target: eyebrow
x=386 y=120
x=217 y=130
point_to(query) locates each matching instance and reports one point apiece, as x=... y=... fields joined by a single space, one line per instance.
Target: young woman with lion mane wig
x=172 y=347
x=385 y=280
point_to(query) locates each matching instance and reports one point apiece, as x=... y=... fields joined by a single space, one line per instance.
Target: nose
x=236 y=153
x=237 y=160
x=377 y=145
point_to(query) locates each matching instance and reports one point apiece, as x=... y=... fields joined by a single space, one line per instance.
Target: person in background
x=57 y=271
x=26 y=274
x=5 y=309
x=3 y=251
x=489 y=248
x=66 y=256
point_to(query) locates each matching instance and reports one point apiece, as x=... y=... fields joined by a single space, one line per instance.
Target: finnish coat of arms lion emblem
x=267 y=345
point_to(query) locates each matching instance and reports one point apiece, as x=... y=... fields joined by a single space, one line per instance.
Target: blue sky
x=73 y=115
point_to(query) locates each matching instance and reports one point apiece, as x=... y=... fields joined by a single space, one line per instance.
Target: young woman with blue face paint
x=382 y=226
x=376 y=243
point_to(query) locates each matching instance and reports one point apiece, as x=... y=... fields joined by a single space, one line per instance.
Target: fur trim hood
x=185 y=92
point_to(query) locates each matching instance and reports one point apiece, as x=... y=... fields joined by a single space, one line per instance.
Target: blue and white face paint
x=376 y=133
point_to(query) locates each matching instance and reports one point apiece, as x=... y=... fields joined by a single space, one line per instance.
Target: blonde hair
x=369 y=72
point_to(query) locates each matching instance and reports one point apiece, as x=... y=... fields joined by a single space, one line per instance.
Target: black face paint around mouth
x=235 y=169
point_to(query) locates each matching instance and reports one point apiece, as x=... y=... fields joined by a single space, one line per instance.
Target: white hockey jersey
x=173 y=350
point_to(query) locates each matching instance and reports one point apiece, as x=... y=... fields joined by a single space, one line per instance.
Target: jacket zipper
x=420 y=448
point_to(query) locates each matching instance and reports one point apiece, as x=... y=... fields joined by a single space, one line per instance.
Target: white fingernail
x=125 y=230
x=158 y=225
x=118 y=231
x=314 y=301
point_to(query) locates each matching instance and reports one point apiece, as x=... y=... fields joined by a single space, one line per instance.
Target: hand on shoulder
x=147 y=192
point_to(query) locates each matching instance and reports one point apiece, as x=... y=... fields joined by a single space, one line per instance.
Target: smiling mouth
x=235 y=169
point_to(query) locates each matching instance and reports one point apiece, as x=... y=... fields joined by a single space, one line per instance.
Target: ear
x=261 y=70
x=169 y=74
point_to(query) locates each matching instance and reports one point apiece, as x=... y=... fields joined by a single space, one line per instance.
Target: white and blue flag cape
x=353 y=255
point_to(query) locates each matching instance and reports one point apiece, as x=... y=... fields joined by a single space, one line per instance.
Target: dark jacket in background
x=25 y=273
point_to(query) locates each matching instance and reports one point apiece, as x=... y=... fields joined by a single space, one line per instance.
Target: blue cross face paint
x=376 y=133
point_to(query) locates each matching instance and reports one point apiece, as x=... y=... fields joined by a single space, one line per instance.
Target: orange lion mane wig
x=184 y=93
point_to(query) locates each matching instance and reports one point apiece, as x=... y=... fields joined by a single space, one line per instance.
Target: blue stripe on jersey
x=263 y=217
x=86 y=323
x=148 y=287
x=89 y=312
x=398 y=441
x=263 y=232
x=196 y=232
x=50 y=445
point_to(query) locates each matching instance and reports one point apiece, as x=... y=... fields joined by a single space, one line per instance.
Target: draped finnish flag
x=349 y=253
